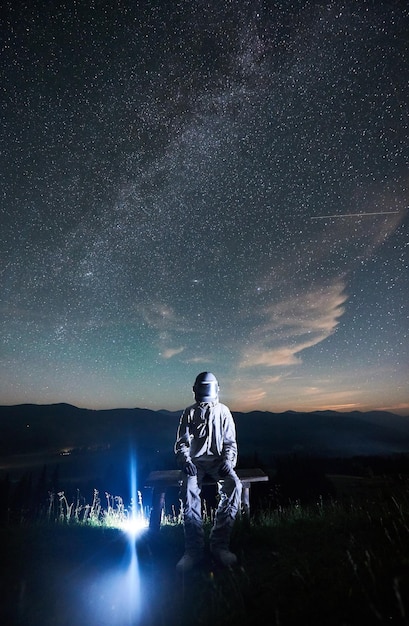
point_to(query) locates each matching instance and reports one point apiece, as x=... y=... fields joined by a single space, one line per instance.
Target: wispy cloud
x=339 y=407
x=199 y=359
x=245 y=393
x=168 y=353
x=293 y=325
x=251 y=398
x=397 y=407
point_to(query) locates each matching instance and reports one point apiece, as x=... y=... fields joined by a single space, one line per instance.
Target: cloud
x=397 y=407
x=272 y=357
x=339 y=407
x=168 y=353
x=199 y=359
x=246 y=393
x=293 y=325
x=252 y=397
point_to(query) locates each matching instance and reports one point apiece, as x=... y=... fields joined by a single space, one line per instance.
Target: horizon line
x=180 y=410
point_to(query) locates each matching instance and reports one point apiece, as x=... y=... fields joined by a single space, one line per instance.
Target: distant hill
x=29 y=427
x=324 y=433
x=32 y=428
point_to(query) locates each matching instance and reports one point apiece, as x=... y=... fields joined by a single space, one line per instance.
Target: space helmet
x=206 y=387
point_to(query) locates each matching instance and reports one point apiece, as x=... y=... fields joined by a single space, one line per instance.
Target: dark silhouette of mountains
x=29 y=428
x=325 y=433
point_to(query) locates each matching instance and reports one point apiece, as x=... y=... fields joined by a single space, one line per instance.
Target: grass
x=336 y=563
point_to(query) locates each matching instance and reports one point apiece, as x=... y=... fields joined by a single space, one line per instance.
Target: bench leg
x=245 y=499
x=158 y=505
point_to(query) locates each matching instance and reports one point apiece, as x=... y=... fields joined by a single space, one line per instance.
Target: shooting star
x=327 y=217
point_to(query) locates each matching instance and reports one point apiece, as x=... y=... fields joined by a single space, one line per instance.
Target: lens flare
x=113 y=596
x=136 y=521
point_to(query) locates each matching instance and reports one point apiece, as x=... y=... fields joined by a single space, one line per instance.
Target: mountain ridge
x=34 y=427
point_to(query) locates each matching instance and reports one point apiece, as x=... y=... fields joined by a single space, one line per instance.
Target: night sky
x=217 y=185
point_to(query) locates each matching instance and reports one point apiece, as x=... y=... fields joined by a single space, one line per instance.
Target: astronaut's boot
x=194 y=545
x=224 y=557
x=219 y=544
x=189 y=561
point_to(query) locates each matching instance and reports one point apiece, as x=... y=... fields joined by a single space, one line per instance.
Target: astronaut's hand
x=189 y=468
x=225 y=468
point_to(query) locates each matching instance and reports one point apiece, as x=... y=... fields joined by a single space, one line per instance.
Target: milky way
x=175 y=183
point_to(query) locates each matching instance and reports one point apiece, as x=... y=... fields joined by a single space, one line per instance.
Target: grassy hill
x=335 y=562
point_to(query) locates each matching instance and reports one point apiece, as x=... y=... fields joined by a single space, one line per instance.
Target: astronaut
x=206 y=444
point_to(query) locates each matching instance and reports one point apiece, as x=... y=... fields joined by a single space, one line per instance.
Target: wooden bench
x=160 y=480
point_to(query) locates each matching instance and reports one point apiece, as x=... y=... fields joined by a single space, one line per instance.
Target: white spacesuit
x=206 y=444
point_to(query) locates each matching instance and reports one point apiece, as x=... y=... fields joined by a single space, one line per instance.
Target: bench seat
x=160 y=480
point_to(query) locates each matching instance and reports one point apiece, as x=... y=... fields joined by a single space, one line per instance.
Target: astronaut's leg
x=230 y=488
x=190 y=496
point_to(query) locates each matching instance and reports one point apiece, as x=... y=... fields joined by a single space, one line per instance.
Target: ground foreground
x=328 y=563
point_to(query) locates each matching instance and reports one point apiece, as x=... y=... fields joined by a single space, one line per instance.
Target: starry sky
x=205 y=185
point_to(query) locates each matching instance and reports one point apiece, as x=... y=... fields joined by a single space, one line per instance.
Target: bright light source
x=134 y=526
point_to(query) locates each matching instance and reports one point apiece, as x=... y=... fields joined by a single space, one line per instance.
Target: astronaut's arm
x=229 y=452
x=183 y=438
